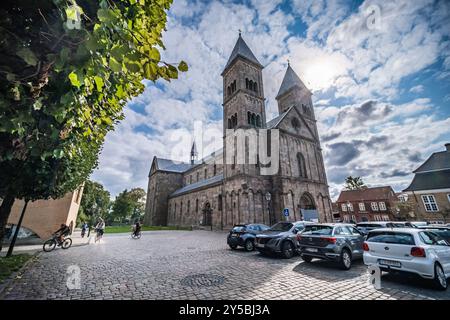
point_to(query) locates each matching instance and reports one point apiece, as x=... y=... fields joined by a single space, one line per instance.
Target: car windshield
x=318 y=230
x=239 y=229
x=431 y=238
x=281 y=226
x=369 y=225
x=264 y=227
x=391 y=237
x=443 y=233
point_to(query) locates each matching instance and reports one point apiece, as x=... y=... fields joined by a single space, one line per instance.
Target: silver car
x=412 y=250
x=338 y=242
x=280 y=238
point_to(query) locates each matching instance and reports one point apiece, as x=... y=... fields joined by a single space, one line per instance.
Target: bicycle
x=54 y=241
x=136 y=236
x=99 y=234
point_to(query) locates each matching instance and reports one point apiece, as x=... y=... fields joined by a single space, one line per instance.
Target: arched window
x=246 y=83
x=189 y=206
x=255 y=87
x=198 y=176
x=249 y=117
x=301 y=165
x=196 y=205
x=229 y=90
x=229 y=123
x=181 y=207
x=235 y=120
x=253 y=119
x=206 y=173
x=295 y=123
x=258 y=121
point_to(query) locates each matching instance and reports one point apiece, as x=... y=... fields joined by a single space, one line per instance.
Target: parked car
x=280 y=238
x=411 y=250
x=442 y=231
x=338 y=242
x=243 y=235
x=419 y=223
x=365 y=227
x=400 y=224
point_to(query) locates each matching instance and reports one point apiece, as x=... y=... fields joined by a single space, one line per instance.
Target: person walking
x=84 y=227
x=100 y=229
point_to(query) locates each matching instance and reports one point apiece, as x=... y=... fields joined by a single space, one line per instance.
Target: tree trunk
x=5 y=210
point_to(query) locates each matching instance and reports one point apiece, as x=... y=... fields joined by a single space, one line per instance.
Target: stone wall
x=160 y=185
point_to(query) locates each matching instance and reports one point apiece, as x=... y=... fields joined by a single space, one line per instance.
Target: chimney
x=447 y=147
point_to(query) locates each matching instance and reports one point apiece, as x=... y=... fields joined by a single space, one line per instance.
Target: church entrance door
x=207 y=214
x=308 y=209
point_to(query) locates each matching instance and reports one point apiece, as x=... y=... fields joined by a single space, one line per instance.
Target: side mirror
x=295 y=231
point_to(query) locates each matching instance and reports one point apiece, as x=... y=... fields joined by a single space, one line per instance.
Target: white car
x=412 y=250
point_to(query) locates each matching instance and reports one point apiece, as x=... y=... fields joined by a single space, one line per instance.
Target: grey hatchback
x=280 y=238
x=337 y=242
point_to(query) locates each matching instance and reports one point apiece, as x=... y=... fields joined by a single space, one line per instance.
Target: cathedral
x=214 y=193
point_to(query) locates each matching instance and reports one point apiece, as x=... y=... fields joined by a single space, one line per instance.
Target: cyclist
x=137 y=228
x=63 y=231
x=100 y=228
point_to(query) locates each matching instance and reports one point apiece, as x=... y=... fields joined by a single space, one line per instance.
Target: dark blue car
x=243 y=235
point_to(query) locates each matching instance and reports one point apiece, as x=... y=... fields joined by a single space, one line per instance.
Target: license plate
x=235 y=235
x=259 y=245
x=390 y=263
x=311 y=249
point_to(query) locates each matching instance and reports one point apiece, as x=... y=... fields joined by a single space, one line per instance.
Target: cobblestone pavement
x=198 y=265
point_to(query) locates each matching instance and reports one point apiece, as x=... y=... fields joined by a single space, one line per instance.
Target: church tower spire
x=243 y=94
x=293 y=92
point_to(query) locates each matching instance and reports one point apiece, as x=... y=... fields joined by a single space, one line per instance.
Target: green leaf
x=99 y=83
x=74 y=79
x=182 y=66
x=114 y=65
x=28 y=56
x=154 y=54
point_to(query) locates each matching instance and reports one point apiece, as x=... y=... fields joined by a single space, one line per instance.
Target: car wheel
x=346 y=259
x=249 y=245
x=233 y=246
x=440 y=281
x=307 y=259
x=287 y=249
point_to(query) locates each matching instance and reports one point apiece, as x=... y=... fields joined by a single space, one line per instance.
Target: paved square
x=198 y=265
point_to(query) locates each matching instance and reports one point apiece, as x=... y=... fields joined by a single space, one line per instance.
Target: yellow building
x=43 y=217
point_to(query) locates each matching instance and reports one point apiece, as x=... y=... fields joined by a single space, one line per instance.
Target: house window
x=362 y=207
x=206 y=173
x=189 y=206
x=346 y=218
x=374 y=206
x=385 y=217
x=350 y=206
x=196 y=205
x=382 y=206
x=344 y=207
x=198 y=176
x=353 y=218
x=215 y=169
x=430 y=203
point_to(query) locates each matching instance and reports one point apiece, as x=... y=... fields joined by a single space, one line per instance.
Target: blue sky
x=379 y=72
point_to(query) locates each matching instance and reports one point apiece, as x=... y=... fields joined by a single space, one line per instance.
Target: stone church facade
x=215 y=193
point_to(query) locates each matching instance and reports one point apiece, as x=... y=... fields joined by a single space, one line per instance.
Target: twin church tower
x=217 y=193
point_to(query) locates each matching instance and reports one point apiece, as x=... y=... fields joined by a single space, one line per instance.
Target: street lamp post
x=268 y=198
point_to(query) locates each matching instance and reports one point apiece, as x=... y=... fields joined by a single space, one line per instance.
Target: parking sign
x=286 y=212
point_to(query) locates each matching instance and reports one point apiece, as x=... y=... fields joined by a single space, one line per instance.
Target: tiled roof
x=172 y=166
x=276 y=121
x=291 y=79
x=430 y=180
x=241 y=50
x=376 y=193
x=437 y=161
x=201 y=184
